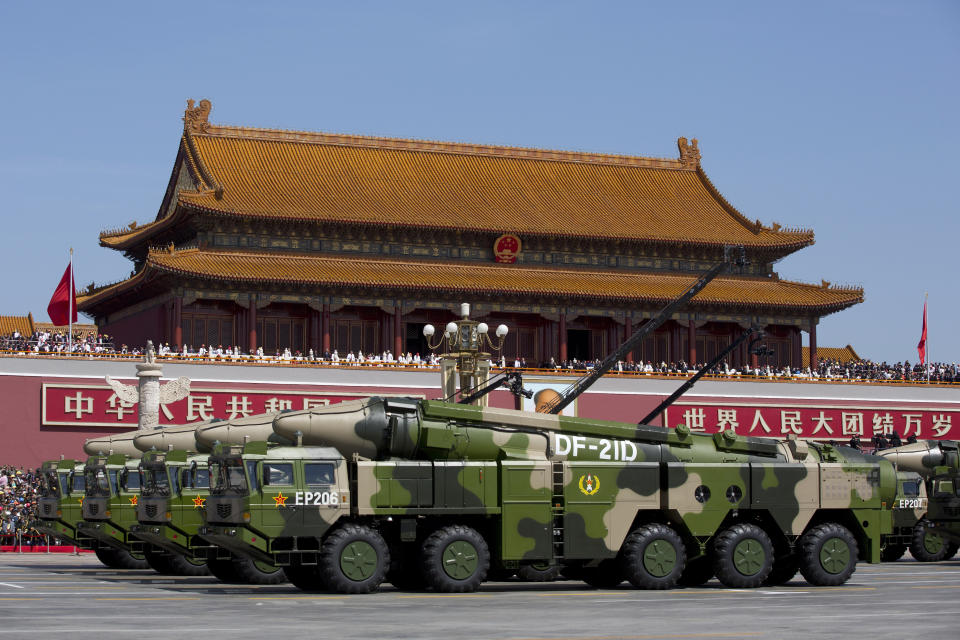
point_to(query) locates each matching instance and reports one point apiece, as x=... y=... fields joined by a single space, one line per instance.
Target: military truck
x=170 y=512
x=176 y=485
x=921 y=520
x=61 y=495
x=440 y=493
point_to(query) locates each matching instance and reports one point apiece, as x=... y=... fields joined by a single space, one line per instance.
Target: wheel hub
x=659 y=558
x=749 y=557
x=834 y=555
x=358 y=560
x=460 y=560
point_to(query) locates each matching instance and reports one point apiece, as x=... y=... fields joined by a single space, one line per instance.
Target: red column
x=177 y=323
x=315 y=331
x=692 y=343
x=563 y=338
x=796 y=358
x=813 y=343
x=627 y=332
x=325 y=327
x=252 y=325
x=397 y=338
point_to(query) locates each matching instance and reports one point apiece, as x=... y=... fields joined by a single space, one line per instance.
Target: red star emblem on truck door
x=280 y=500
x=133 y=501
x=199 y=502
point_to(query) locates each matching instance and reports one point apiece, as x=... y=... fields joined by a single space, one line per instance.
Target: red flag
x=64 y=300
x=922 y=345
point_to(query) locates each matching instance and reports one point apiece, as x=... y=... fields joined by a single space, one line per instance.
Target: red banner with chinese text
x=98 y=406
x=815 y=422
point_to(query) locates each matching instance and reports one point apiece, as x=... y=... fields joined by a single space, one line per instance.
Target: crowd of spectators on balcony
x=55 y=342
x=19 y=490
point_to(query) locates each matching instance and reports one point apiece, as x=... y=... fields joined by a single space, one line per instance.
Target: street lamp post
x=464 y=343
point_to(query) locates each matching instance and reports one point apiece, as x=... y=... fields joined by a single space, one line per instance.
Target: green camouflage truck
x=439 y=494
x=938 y=460
x=922 y=505
x=176 y=485
x=59 y=505
x=111 y=494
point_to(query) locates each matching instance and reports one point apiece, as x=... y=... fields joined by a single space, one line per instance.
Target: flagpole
x=70 y=307
x=926 y=349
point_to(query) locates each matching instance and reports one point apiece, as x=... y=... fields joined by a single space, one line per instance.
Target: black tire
x=158 y=562
x=252 y=572
x=223 y=570
x=182 y=566
x=354 y=559
x=121 y=559
x=305 y=577
x=828 y=555
x=927 y=546
x=455 y=559
x=952 y=548
x=892 y=552
x=539 y=572
x=742 y=556
x=654 y=557
x=784 y=570
x=698 y=572
x=607 y=575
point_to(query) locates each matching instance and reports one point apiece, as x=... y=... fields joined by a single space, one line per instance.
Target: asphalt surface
x=49 y=595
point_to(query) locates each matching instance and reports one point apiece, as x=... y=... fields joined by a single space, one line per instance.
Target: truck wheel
x=305 y=577
x=828 y=555
x=539 y=572
x=784 y=570
x=158 y=562
x=354 y=559
x=927 y=546
x=892 y=552
x=117 y=559
x=654 y=557
x=223 y=570
x=183 y=566
x=742 y=556
x=697 y=572
x=455 y=559
x=254 y=572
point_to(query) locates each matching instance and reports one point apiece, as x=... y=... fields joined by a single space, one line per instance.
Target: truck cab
x=271 y=502
x=944 y=512
x=58 y=508
x=109 y=506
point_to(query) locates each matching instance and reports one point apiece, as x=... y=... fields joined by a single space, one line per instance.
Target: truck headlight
x=246 y=516
x=168 y=515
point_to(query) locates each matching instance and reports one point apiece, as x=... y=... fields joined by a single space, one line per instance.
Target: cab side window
x=277 y=473
x=911 y=488
x=318 y=473
x=203 y=479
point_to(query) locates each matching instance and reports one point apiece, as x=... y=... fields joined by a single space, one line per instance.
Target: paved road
x=48 y=595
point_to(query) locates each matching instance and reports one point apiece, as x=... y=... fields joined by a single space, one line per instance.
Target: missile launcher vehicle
x=438 y=494
x=61 y=497
x=938 y=462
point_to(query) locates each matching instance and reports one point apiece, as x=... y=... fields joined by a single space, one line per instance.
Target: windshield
x=98 y=484
x=227 y=476
x=50 y=486
x=79 y=483
x=155 y=482
x=131 y=480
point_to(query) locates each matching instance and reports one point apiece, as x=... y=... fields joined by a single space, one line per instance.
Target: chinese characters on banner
x=98 y=405
x=822 y=423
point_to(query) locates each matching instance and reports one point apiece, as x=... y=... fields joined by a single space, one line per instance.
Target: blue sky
x=835 y=116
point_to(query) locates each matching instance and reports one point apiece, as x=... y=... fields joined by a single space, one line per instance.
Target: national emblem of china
x=589 y=484
x=506 y=248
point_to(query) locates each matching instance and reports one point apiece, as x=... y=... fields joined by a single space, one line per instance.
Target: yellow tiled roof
x=23 y=324
x=489 y=278
x=383 y=181
x=840 y=354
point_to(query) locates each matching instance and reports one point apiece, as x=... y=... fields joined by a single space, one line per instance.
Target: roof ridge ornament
x=689 y=153
x=196 y=119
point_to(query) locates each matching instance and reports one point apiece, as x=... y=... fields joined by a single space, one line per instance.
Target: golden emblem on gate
x=589 y=484
x=506 y=248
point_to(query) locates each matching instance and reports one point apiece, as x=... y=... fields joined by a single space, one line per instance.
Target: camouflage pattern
x=59 y=507
x=539 y=489
x=173 y=502
x=110 y=502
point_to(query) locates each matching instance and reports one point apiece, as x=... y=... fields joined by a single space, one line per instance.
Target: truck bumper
x=239 y=540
